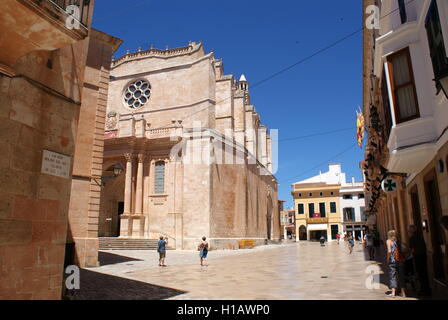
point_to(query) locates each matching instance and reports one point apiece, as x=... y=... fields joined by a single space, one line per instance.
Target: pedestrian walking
x=395 y=260
x=338 y=237
x=369 y=244
x=203 y=251
x=417 y=247
x=351 y=242
x=161 y=249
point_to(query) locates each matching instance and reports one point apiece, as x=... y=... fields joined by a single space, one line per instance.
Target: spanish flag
x=360 y=124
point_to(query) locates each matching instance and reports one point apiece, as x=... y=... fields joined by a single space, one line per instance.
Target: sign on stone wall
x=56 y=164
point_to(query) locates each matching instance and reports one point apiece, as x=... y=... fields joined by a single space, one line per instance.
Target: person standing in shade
x=417 y=246
x=351 y=242
x=369 y=244
x=395 y=260
x=161 y=249
x=203 y=251
x=376 y=238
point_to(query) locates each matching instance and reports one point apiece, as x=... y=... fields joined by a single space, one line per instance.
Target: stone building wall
x=88 y=159
x=39 y=110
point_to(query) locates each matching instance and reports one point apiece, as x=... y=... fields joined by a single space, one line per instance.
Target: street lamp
x=117 y=170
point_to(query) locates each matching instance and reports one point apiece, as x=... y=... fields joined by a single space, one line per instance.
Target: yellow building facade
x=317 y=210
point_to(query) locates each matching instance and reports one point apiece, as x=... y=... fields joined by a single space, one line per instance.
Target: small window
x=300 y=195
x=159 y=177
x=347 y=196
x=332 y=193
x=333 y=207
x=404 y=93
x=361 y=196
x=300 y=208
x=321 y=194
x=310 y=194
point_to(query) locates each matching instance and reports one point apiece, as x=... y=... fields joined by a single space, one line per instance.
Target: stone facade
x=196 y=160
x=88 y=158
x=41 y=75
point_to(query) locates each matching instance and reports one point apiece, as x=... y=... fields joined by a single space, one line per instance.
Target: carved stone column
x=139 y=189
x=138 y=219
x=126 y=220
x=128 y=184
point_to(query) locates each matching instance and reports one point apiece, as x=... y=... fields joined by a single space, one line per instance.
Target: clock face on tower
x=137 y=94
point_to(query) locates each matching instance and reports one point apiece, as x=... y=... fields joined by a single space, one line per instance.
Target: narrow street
x=295 y=271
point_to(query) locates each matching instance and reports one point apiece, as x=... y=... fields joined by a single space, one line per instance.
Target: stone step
x=128 y=244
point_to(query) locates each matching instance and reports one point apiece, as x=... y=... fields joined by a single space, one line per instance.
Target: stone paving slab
x=297 y=271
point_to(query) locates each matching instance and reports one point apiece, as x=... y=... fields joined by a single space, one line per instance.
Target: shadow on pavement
x=99 y=286
x=106 y=258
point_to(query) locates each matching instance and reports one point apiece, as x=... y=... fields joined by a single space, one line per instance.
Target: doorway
x=120 y=210
x=416 y=213
x=316 y=234
x=302 y=233
x=437 y=233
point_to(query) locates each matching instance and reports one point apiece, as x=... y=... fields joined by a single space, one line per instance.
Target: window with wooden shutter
x=159 y=177
x=300 y=209
x=403 y=88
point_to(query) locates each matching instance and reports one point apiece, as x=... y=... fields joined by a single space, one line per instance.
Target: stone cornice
x=157 y=53
x=163 y=70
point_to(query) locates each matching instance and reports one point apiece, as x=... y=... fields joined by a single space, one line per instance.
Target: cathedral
x=185 y=153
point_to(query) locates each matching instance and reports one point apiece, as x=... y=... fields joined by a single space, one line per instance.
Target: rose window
x=137 y=94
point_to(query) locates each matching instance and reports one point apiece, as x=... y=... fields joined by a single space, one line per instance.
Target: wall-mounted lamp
x=117 y=170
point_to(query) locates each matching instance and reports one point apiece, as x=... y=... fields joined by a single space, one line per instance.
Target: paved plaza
x=293 y=271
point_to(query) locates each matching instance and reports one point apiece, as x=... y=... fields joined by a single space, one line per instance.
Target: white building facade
x=352 y=205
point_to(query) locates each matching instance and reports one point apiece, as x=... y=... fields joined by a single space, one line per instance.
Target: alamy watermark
x=74 y=17
x=373 y=18
x=201 y=145
x=373 y=278
x=73 y=280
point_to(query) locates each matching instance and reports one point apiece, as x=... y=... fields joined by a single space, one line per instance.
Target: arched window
x=159 y=177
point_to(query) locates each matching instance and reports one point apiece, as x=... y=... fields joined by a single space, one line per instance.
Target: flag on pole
x=360 y=124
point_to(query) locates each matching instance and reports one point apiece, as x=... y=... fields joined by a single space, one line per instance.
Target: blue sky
x=260 y=38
